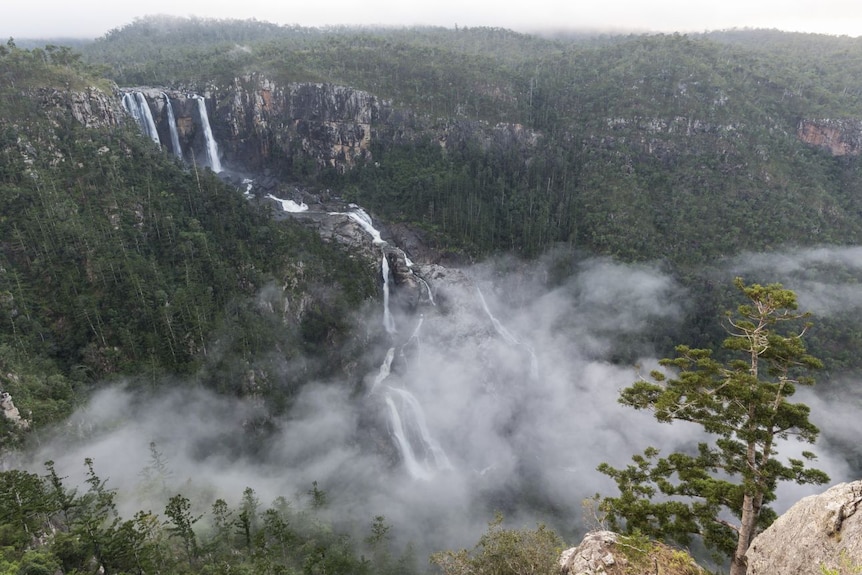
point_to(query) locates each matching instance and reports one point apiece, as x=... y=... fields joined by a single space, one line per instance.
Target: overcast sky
x=93 y=18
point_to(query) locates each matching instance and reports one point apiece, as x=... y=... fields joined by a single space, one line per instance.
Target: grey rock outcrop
x=607 y=553
x=820 y=533
x=11 y=412
x=595 y=554
x=92 y=107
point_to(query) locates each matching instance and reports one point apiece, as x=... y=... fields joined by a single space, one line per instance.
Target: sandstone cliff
x=839 y=137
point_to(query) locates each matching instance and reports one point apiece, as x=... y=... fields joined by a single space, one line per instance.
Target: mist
x=525 y=410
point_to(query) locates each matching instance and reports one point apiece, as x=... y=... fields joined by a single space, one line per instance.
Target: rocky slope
x=820 y=534
x=608 y=553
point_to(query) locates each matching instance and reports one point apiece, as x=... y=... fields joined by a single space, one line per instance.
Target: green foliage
x=505 y=552
x=24 y=508
x=119 y=261
x=49 y=67
x=744 y=403
x=46 y=527
x=178 y=511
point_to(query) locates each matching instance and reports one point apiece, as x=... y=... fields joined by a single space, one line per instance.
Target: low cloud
x=524 y=410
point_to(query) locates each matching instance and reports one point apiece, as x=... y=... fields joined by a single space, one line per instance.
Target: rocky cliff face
x=260 y=124
x=819 y=534
x=266 y=121
x=839 y=137
x=92 y=108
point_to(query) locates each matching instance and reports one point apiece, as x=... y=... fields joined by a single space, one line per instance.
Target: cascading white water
x=509 y=337
x=385 y=369
x=388 y=321
x=427 y=289
x=211 y=146
x=413 y=339
x=435 y=457
x=359 y=216
x=172 y=126
x=421 y=453
x=287 y=205
x=148 y=117
x=136 y=104
x=414 y=468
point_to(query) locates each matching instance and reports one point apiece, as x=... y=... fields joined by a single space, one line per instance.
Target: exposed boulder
x=11 y=412
x=819 y=534
x=607 y=553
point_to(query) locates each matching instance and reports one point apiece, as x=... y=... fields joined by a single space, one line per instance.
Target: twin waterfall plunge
x=140 y=106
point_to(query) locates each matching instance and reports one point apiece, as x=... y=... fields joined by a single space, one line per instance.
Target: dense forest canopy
x=118 y=262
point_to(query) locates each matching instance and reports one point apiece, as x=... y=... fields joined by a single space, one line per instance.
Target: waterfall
x=359 y=216
x=172 y=126
x=434 y=455
x=409 y=263
x=421 y=453
x=388 y=322
x=385 y=369
x=427 y=289
x=136 y=105
x=211 y=146
x=509 y=337
x=414 y=468
x=286 y=205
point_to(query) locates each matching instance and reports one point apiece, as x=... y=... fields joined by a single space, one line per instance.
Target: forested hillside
x=684 y=149
x=119 y=261
x=677 y=147
x=626 y=175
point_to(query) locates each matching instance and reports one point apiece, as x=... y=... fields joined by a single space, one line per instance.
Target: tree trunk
x=738 y=564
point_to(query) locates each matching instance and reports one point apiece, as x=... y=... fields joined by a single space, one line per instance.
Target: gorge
x=413 y=298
